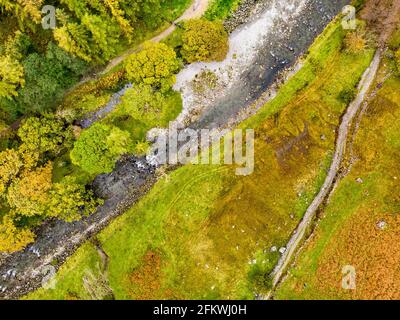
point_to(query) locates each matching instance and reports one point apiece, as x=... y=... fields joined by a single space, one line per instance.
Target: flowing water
x=258 y=51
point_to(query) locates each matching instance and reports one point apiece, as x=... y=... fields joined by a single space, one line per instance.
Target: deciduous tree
x=99 y=147
x=10 y=165
x=204 y=41
x=145 y=104
x=45 y=134
x=70 y=201
x=155 y=66
x=28 y=195
x=12 y=238
x=11 y=76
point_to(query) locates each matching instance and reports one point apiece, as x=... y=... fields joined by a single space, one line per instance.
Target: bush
x=260 y=280
x=347 y=95
x=155 y=66
x=204 y=41
x=355 y=41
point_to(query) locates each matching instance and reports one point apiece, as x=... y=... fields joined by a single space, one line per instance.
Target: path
x=196 y=10
x=354 y=107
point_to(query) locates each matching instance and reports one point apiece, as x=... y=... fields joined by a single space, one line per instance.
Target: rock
x=282 y=250
x=359 y=180
x=323 y=137
x=381 y=225
x=273 y=249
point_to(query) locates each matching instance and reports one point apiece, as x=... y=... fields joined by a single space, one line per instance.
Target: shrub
x=347 y=95
x=355 y=41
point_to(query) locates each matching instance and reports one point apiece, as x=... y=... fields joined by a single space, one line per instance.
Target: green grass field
x=204 y=233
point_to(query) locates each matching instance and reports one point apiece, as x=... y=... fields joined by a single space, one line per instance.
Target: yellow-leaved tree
x=10 y=165
x=29 y=194
x=11 y=76
x=12 y=238
x=155 y=66
x=204 y=40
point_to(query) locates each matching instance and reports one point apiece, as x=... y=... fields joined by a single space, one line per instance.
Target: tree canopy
x=28 y=194
x=46 y=134
x=204 y=41
x=99 y=147
x=70 y=201
x=146 y=105
x=155 y=66
x=92 y=30
x=13 y=238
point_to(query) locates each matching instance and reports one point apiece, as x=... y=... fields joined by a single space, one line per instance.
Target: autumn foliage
x=27 y=192
x=204 y=41
x=155 y=66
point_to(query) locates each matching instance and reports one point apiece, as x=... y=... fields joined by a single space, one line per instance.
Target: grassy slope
x=204 y=224
x=347 y=234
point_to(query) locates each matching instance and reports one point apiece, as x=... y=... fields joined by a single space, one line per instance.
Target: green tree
x=155 y=66
x=72 y=38
x=46 y=78
x=204 y=41
x=70 y=201
x=99 y=147
x=148 y=106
